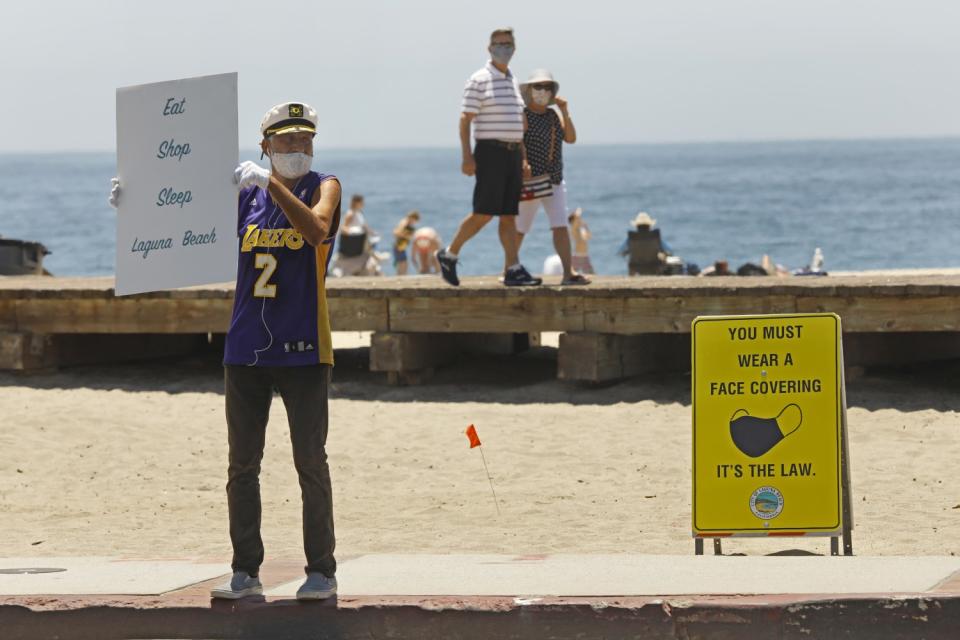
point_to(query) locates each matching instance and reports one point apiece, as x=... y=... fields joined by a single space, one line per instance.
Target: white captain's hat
x=289 y=117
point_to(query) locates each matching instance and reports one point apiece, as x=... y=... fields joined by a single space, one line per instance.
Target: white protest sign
x=177 y=148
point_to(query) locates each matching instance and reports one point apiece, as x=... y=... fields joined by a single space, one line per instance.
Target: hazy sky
x=388 y=74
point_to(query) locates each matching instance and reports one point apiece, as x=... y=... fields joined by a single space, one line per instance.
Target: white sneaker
x=317 y=587
x=241 y=585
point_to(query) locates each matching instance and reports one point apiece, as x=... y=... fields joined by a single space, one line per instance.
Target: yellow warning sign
x=767 y=411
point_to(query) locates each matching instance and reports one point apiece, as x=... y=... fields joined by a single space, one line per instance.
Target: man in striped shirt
x=493 y=105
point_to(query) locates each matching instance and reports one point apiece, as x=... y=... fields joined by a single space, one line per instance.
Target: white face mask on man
x=541 y=97
x=291 y=165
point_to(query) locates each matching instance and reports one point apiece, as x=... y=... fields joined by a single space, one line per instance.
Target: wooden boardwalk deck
x=619 y=309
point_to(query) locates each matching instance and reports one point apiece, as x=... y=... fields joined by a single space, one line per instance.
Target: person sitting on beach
x=493 y=106
x=402 y=235
x=646 y=251
x=426 y=243
x=279 y=339
x=581 y=235
x=545 y=133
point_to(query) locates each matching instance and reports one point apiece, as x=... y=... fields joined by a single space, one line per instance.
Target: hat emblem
x=296 y=111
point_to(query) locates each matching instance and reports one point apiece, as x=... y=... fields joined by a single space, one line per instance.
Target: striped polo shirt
x=495 y=97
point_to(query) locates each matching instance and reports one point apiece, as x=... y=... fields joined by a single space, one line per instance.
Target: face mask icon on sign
x=755 y=436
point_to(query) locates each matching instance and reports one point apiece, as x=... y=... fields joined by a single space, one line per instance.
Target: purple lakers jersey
x=280 y=314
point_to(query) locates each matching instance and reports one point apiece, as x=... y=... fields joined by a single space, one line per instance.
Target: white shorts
x=555 y=206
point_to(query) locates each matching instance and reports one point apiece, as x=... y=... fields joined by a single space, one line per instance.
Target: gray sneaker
x=317 y=587
x=241 y=585
x=519 y=277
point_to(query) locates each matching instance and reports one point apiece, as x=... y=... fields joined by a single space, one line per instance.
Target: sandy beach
x=130 y=461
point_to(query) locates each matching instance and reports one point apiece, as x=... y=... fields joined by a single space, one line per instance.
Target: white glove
x=114 y=192
x=250 y=173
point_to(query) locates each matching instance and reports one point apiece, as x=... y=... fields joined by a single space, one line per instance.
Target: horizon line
x=431 y=147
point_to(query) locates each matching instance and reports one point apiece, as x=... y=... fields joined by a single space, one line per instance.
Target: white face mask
x=541 y=97
x=291 y=165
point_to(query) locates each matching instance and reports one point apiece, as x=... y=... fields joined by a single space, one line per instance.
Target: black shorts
x=499 y=178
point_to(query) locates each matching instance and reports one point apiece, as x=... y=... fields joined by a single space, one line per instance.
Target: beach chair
x=644 y=250
x=355 y=257
x=353 y=245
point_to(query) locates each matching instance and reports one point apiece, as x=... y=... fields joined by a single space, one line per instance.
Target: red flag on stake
x=472 y=435
x=475 y=442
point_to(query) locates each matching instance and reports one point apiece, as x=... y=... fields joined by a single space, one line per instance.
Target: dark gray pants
x=249 y=391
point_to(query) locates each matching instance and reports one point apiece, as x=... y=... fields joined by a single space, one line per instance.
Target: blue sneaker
x=317 y=587
x=241 y=585
x=448 y=267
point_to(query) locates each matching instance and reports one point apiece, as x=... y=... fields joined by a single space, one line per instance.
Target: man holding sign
x=279 y=338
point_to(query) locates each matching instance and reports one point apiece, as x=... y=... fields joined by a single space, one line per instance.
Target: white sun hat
x=643 y=219
x=538 y=76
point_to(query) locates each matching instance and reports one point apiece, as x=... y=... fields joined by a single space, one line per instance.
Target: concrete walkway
x=631 y=575
x=413 y=595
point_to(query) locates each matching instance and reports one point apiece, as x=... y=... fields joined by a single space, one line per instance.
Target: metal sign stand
x=698 y=547
x=846 y=503
x=845 y=484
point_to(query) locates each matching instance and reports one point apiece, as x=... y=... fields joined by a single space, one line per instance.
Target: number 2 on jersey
x=262 y=288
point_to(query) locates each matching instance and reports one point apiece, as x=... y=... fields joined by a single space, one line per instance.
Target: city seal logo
x=766 y=503
x=296 y=111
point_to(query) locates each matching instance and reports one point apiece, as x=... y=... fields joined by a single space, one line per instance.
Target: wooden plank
x=358 y=314
x=867 y=284
x=895 y=313
x=486 y=314
x=636 y=315
x=138 y=315
x=124 y=315
x=610 y=305
x=604 y=315
x=8 y=315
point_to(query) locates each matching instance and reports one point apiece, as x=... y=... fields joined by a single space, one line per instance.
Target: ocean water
x=869 y=204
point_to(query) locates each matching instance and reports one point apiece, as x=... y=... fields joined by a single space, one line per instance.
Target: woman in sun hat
x=546 y=131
